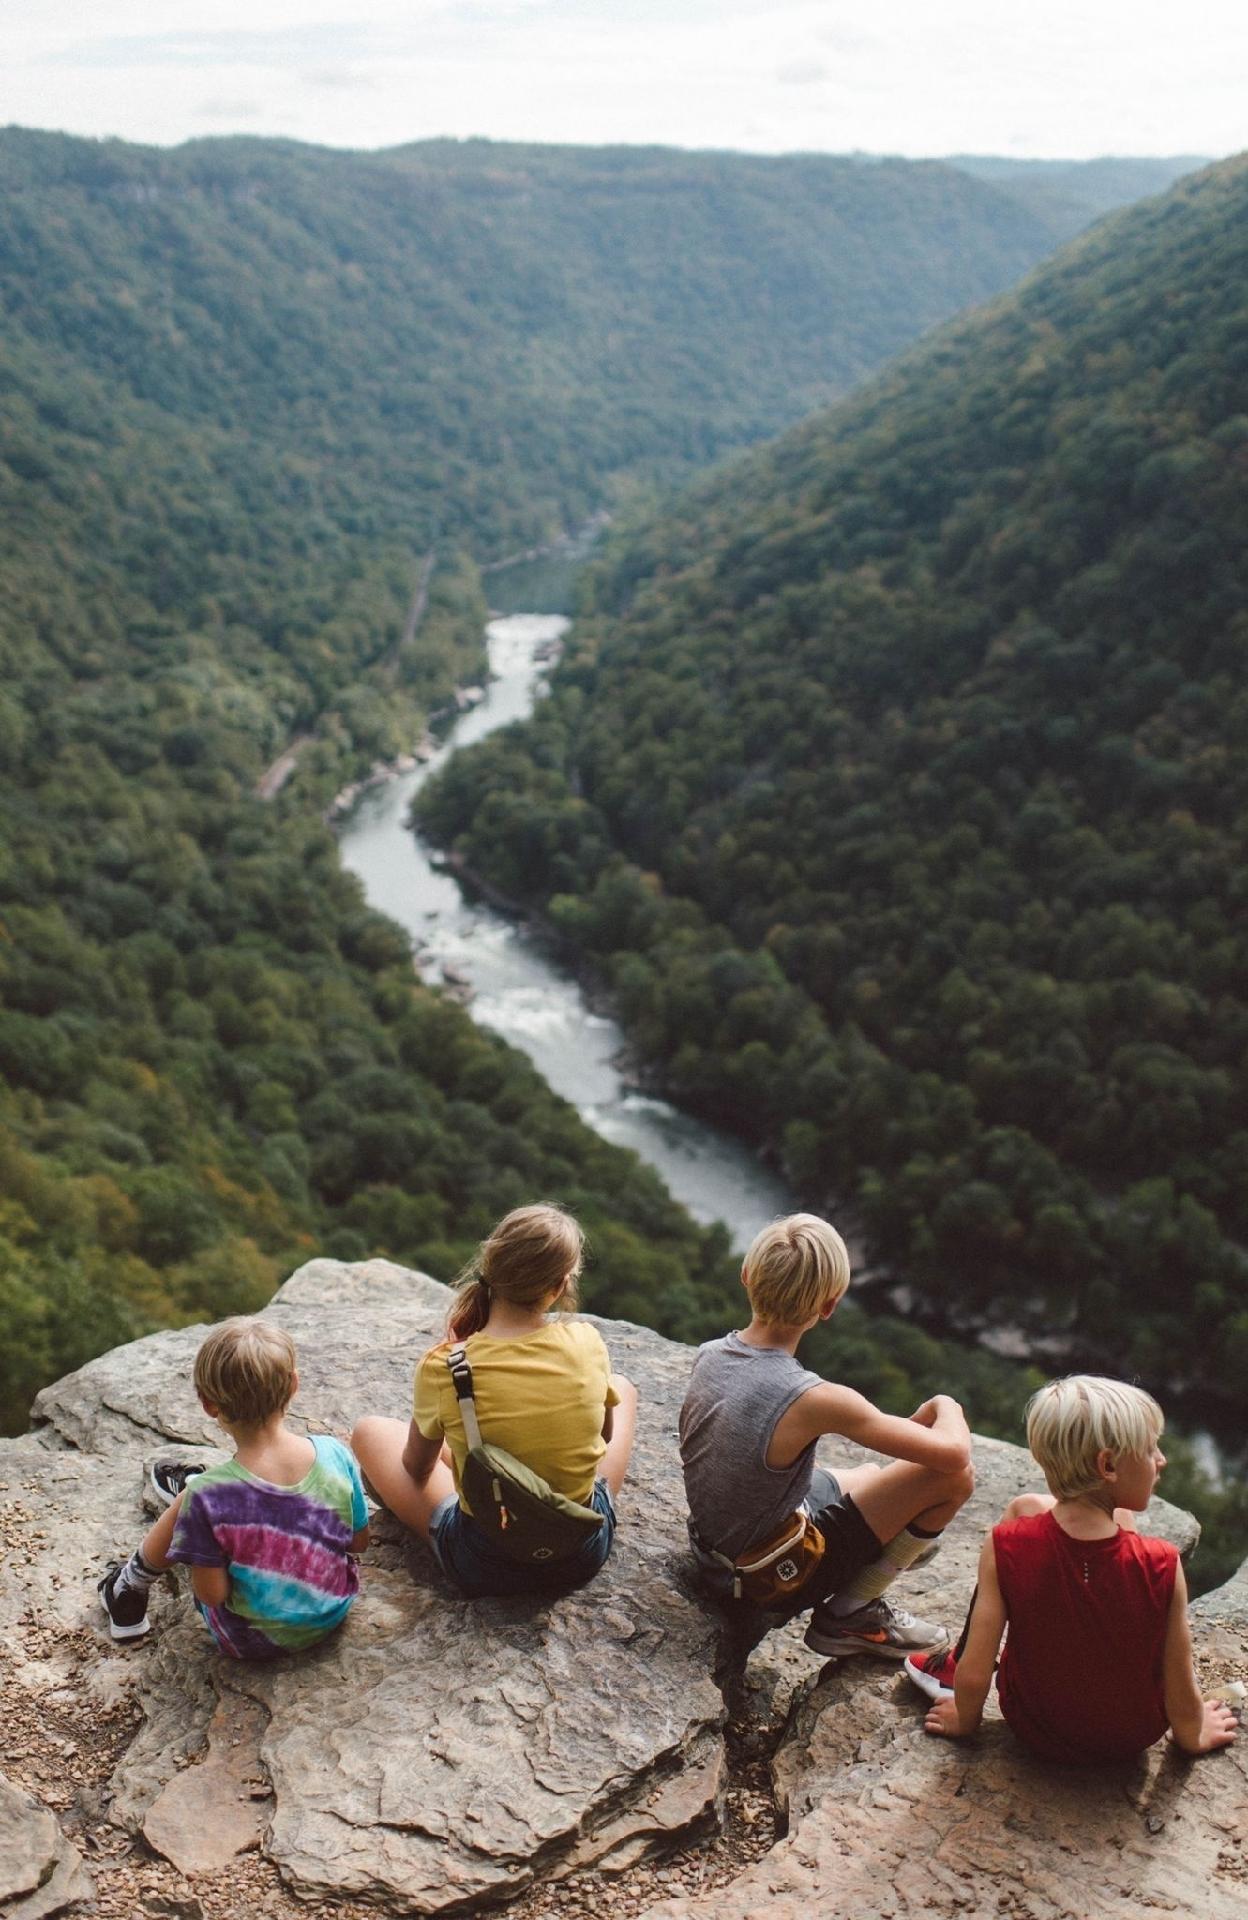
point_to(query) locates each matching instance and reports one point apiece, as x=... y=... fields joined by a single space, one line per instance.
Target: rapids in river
x=512 y=985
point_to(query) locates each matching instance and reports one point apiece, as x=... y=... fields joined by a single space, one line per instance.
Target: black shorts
x=851 y=1545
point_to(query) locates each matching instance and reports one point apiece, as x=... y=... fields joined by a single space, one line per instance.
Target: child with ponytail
x=544 y=1391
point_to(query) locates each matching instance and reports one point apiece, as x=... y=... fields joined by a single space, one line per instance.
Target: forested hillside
x=896 y=782
x=1068 y=195
x=246 y=390
x=468 y=339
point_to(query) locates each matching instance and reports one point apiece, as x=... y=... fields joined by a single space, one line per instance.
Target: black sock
x=966 y=1628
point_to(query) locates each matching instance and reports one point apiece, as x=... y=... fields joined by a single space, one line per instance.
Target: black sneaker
x=169 y=1478
x=126 y=1607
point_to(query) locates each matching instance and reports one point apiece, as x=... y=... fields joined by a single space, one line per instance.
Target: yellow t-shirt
x=542 y=1397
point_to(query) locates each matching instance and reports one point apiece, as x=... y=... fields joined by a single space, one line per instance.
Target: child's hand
x=1219 y=1727
x=945 y=1720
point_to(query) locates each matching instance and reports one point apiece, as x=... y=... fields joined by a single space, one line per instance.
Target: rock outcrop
x=439 y=1753
x=40 y=1873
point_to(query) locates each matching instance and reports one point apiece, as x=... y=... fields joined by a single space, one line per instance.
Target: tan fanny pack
x=773 y=1573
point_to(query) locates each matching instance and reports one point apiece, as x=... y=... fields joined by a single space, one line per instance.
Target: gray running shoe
x=887 y=1633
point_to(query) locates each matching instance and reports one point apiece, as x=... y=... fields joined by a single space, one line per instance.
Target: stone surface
x=28 y=1837
x=208 y=1814
x=436 y=1750
x=888 y=1824
x=439 y=1753
x=40 y=1872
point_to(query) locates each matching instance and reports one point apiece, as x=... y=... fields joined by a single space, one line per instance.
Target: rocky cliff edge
x=440 y=1755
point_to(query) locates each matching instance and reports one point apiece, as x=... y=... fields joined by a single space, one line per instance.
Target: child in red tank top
x=1098 y=1659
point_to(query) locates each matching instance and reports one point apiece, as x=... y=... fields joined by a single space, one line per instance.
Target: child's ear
x=825 y=1313
x=294 y=1385
x=1106 y=1465
x=210 y=1407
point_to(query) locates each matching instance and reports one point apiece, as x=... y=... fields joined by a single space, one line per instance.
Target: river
x=518 y=992
x=515 y=989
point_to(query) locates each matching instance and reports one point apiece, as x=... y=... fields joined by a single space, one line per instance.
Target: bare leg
x=155 y=1546
x=614 y=1463
x=892 y=1498
x=1023 y=1505
x=378 y=1445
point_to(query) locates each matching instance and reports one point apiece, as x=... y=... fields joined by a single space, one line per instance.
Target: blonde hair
x=246 y=1368
x=1071 y=1421
x=795 y=1268
x=526 y=1260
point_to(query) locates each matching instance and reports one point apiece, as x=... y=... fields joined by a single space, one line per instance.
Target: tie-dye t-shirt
x=286 y=1549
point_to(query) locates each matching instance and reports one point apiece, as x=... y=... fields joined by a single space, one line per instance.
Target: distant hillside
x=483 y=340
x=1068 y=195
x=897 y=783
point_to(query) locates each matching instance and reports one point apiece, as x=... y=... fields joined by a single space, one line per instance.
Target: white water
x=515 y=989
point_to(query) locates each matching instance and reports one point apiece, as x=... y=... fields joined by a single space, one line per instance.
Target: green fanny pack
x=522 y=1513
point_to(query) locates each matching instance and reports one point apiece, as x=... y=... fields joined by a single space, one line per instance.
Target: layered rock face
x=439 y=1753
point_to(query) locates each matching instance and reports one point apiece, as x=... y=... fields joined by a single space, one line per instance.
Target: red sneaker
x=933 y=1673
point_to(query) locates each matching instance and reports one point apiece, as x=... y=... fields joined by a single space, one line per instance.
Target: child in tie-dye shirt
x=270 y=1535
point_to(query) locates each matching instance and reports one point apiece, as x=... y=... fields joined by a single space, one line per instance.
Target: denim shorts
x=850 y=1547
x=468 y=1556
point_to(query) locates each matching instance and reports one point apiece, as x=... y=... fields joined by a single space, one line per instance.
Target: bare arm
x=1198 y=1726
x=958 y=1718
x=211 y=1585
x=359 y=1539
x=421 y=1456
x=935 y=1436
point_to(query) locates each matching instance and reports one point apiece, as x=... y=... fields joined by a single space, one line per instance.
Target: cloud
x=272 y=47
x=229 y=111
x=344 y=79
x=846 y=39
x=802 y=73
x=908 y=76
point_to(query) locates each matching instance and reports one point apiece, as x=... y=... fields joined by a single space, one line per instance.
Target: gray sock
x=137 y=1575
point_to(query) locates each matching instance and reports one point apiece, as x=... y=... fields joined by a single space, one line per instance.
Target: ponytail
x=470 y=1309
x=531 y=1254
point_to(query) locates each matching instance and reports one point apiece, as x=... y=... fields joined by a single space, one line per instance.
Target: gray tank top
x=736 y=1395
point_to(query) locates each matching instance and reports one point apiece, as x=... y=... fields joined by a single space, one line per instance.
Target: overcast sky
x=1021 y=77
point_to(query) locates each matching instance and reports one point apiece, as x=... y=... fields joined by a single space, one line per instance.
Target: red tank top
x=1080 y=1678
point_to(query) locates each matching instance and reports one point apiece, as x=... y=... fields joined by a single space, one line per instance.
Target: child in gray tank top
x=750 y=1423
